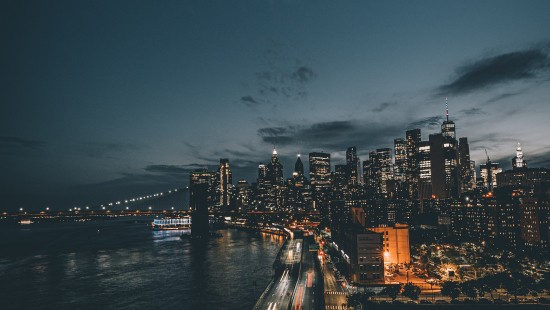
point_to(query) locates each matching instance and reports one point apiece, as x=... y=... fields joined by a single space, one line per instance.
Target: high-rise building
x=400 y=158
x=467 y=175
x=263 y=186
x=275 y=169
x=423 y=159
x=443 y=154
x=200 y=182
x=196 y=177
x=378 y=172
x=340 y=181
x=244 y=195
x=353 y=166
x=518 y=162
x=488 y=173
x=448 y=127
x=320 y=180
x=319 y=169
x=224 y=183
x=413 y=138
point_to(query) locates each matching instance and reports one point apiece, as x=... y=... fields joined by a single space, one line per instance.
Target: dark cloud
x=499 y=69
x=109 y=149
x=283 y=79
x=429 y=122
x=472 y=111
x=12 y=143
x=331 y=136
x=249 y=101
x=173 y=169
x=503 y=96
x=383 y=106
x=303 y=74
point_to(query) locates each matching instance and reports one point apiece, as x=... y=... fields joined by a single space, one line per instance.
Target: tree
x=519 y=284
x=411 y=291
x=392 y=291
x=355 y=300
x=469 y=288
x=451 y=289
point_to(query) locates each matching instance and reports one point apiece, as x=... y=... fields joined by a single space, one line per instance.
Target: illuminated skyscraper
x=275 y=169
x=225 y=182
x=200 y=182
x=400 y=158
x=413 y=138
x=423 y=159
x=467 y=174
x=488 y=173
x=319 y=169
x=448 y=127
x=518 y=162
x=320 y=179
x=196 y=177
x=353 y=166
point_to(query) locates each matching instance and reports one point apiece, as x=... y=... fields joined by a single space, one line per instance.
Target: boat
x=179 y=223
x=25 y=222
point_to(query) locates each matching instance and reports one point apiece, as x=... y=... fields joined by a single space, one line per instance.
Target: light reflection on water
x=128 y=266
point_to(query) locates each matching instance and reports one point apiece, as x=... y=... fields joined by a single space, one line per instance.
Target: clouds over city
x=496 y=70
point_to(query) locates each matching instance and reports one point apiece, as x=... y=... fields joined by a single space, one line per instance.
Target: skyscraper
x=400 y=158
x=275 y=169
x=320 y=179
x=413 y=137
x=196 y=177
x=353 y=166
x=518 y=162
x=488 y=173
x=319 y=169
x=200 y=181
x=448 y=127
x=225 y=182
x=424 y=183
x=467 y=177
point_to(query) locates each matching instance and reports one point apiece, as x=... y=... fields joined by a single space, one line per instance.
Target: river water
x=122 y=264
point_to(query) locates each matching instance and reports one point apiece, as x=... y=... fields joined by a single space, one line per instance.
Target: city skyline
x=103 y=105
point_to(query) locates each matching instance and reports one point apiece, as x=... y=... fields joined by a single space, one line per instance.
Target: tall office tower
x=299 y=166
x=424 y=171
x=319 y=169
x=400 y=157
x=352 y=162
x=371 y=174
x=275 y=169
x=200 y=182
x=413 y=137
x=340 y=181
x=320 y=180
x=448 y=127
x=445 y=181
x=263 y=184
x=225 y=182
x=196 y=177
x=488 y=173
x=467 y=181
x=518 y=162
x=299 y=194
x=244 y=195
x=386 y=169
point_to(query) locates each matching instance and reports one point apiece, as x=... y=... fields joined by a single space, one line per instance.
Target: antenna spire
x=447 y=108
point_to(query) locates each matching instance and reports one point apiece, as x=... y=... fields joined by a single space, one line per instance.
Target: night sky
x=111 y=99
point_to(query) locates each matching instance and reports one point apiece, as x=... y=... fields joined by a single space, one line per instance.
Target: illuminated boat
x=179 y=223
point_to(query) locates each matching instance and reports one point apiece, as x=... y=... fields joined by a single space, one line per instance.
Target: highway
x=335 y=296
x=310 y=282
x=279 y=292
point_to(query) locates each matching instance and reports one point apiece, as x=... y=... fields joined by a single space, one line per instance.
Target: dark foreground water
x=122 y=264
